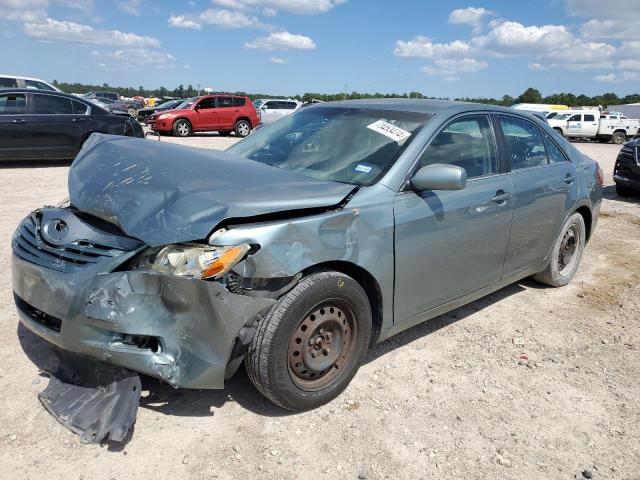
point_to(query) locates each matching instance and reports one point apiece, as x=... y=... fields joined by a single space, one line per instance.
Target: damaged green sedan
x=333 y=228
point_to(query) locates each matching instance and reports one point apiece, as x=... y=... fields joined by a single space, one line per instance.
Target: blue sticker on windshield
x=363 y=168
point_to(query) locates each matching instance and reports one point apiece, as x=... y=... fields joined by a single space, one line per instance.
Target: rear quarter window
x=8 y=82
x=239 y=101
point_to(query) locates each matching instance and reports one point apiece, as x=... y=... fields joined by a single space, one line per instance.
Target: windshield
x=166 y=104
x=562 y=117
x=187 y=103
x=348 y=145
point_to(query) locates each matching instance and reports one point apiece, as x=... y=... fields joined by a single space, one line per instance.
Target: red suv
x=221 y=113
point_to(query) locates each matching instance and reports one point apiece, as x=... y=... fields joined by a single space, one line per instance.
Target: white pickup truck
x=596 y=125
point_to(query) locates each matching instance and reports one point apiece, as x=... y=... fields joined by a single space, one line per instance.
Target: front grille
x=29 y=245
x=44 y=319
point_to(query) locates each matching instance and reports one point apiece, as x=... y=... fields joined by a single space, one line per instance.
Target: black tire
x=603 y=139
x=624 y=191
x=559 y=130
x=618 y=138
x=243 y=128
x=182 y=128
x=272 y=352
x=562 y=268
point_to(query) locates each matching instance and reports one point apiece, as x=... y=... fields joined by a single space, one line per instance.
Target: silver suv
x=272 y=109
x=11 y=81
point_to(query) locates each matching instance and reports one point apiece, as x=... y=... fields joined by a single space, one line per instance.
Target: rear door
x=227 y=113
x=545 y=186
x=590 y=123
x=15 y=136
x=452 y=243
x=55 y=129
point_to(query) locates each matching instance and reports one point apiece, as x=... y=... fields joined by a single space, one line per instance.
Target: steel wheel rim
x=243 y=128
x=323 y=343
x=567 y=255
x=183 y=129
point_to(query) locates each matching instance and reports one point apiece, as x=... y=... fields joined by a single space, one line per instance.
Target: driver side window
x=466 y=142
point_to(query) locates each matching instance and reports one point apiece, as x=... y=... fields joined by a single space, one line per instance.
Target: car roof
x=23 y=77
x=51 y=92
x=427 y=106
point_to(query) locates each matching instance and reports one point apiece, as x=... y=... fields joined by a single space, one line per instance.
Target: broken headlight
x=192 y=259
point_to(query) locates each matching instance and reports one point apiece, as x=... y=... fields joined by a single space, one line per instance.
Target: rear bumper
x=193 y=324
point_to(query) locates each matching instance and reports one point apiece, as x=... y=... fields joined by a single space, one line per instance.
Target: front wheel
x=566 y=253
x=312 y=342
x=618 y=138
x=243 y=128
x=182 y=128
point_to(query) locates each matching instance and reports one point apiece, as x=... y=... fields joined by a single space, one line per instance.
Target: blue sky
x=287 y=47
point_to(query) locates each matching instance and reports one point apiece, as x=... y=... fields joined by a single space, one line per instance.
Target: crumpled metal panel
x=95 y=400
x=162 y=193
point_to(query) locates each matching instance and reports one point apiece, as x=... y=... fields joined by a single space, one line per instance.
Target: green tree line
x=530 y=95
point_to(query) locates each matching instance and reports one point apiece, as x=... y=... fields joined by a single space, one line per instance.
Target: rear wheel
x=182 y=128
x=243 y=128
x=312 y=342
x=624 y=191
x=618 y=138
x=566 y=253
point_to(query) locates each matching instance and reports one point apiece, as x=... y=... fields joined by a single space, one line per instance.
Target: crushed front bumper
x=179 y=330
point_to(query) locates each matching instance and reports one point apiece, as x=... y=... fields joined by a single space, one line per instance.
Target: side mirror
x=440 y=177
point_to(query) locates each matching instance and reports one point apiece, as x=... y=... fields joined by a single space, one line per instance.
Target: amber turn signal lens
x=225 y=262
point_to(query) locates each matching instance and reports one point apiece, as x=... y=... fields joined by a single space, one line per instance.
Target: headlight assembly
x=192 y=260
x=163 y=116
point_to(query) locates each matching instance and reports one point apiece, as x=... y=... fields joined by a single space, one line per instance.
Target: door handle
x=79 y=120
x=19 y=120
x=502 y=196
x=569 y=179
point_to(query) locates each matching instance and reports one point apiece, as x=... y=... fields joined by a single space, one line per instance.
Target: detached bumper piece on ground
x=96 y=400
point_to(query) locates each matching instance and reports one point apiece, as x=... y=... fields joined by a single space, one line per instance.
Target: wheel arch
x=587 y=216
x=244 y=117
x=366 y=280
x=559 y=130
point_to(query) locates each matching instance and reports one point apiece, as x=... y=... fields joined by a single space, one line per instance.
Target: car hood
x=162 y=193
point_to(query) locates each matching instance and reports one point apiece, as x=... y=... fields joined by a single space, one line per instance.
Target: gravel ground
x=529 y=382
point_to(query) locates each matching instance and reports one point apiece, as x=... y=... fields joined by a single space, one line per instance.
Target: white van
x=11 y=81
x=272 y=109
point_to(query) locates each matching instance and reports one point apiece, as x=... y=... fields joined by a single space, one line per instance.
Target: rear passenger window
x=37 y=85
x=79 y=108
x=8 y=82
x=289 y=105
x=524 y=143
x=553 y=152
x=467 y=143
x=224 y=102
x=49 y=104
x=239 y=102
x=13 y=104
x=589 y=118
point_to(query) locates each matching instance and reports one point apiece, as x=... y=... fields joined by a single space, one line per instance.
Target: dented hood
x=162 y=193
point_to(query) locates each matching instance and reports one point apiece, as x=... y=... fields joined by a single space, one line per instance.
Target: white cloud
x=71 y=32
x=132 y=7
x=618 y=78
x=282 y=41
x=536 y=66
x=135 y=59
x=513 y=38
x=470 y=16
x=36 y=10
x=606 y=20
x=300 y=7
x=278 y=60
x=216 y=17
x=629 y=64
x=423 y=47
x=462 y=65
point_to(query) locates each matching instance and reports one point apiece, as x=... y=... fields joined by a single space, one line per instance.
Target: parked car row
x=41 y=124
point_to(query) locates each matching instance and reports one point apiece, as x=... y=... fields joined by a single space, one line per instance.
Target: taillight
x=599 y=174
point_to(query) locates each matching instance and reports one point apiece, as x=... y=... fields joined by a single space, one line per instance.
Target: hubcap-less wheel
x=183 y=129
x=568 y=247
x=324 y=341
x=243 y=129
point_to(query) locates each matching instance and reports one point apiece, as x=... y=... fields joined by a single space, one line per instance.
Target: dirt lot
x=529 y=382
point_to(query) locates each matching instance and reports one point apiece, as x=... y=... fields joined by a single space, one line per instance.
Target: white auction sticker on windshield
x=389 y=130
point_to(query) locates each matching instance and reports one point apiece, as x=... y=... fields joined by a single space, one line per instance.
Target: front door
x=545 y=185
x=206 y=115
x=574 y=126
x=15 y=136
x=452 y=243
